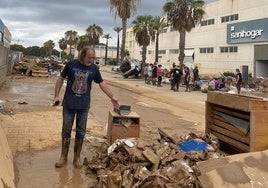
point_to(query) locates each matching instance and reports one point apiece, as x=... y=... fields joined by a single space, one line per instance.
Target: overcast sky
x=33 y=22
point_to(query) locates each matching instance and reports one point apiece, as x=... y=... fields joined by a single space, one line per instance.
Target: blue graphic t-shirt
x=79 y=81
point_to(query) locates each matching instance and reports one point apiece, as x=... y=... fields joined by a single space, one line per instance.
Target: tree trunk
x=156 y=46
x=117 y=53
x=106 y=51
x=123 y=44
x=144 y=51
x=182 y=46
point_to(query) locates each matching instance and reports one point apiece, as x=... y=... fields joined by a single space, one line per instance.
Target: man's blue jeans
x=68 y=119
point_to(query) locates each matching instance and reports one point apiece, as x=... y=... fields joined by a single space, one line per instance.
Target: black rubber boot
x=77 y=150
x=64 y=153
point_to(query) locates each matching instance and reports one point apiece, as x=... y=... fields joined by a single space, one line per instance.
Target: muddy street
x=33 y=132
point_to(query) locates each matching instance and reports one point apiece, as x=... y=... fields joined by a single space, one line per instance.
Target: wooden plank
x=241 y=124
x=228 y=111
x=236 y=144
x=225 y=125
x=229 y=100
x=242 y=138
x=259 y=105
x=208 y=114
x=260 y=143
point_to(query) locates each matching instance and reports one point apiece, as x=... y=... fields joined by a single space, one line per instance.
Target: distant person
x=149 y=73
x=159 y=72
x=195 y=73
x=145 y=72
x=187 y=78
x=198 y=84
x=154 y=74
x=238 y=82
x=176 y=74
x=80 y=73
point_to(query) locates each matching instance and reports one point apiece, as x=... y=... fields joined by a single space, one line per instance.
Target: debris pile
x=37 y=67
x=261 y=84
x=163 y=163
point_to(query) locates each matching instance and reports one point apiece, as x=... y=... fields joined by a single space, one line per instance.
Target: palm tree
x=94 y=32
x=183 y=15
x=159 y=25
x=70 y=37
x=107 y=37
x=48 y=46
x=144 y=33
x=82 y=42
x=62 y=44
x=124 y=9
x=117 y=30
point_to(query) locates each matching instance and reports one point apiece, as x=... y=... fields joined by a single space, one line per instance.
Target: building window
x=206 y=50
x=161 y=51
x=207 y=22
x=1 y=38
x=172 y=29
x=209 y=50
x=163 y=31
x=151 y=52
x=229 y=49
x=173 y=51
x=229 y=18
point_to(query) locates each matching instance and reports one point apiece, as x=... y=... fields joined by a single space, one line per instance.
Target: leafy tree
x=62 y=45
x=55 y=52
x=183 y=15
x=124 y=9
x=94 y=32
x=32 y=51
x=43 y=52
x=107 y=37
x=17 y=47
x=117 y=30
x=144 y=32
x=48 y=46
x=158 y=25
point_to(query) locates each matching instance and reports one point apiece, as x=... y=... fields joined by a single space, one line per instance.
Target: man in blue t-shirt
x=76 y=101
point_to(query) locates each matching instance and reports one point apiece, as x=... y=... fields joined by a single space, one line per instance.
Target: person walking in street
x=176 y=74
x=80 y=73
x=238 y=77
x=159 y=75
x=187 y=78
x=149 y=73
x=145 y=72
x=171 y=75
x=154 y=73
x=195 y=73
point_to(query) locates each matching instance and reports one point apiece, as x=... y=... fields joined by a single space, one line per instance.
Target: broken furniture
x=238 y=120
x=122 y=126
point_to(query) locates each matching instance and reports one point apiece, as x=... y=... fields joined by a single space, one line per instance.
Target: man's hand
x=115 y=102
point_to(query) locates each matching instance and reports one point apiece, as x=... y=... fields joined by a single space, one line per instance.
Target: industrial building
x=233 y=34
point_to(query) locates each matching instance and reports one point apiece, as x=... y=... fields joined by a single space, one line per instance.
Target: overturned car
x=131 y=67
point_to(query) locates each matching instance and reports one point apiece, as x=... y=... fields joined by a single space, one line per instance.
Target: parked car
x=131 y=67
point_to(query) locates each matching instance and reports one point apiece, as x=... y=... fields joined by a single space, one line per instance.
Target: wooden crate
x=122 y=126
x=238 y=120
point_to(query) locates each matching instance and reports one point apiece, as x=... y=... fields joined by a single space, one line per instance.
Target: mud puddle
x=36 y=169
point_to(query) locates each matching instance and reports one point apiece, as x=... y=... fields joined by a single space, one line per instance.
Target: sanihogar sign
x=249 y=31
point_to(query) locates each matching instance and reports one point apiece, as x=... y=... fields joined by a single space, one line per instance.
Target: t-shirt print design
x=80 y=83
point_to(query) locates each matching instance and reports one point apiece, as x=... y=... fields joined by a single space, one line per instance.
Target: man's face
x=89 y=58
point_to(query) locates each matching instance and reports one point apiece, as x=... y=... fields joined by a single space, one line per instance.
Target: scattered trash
x=193 y=145
x=22 y=102
x=135 y=163
x=6 y=111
